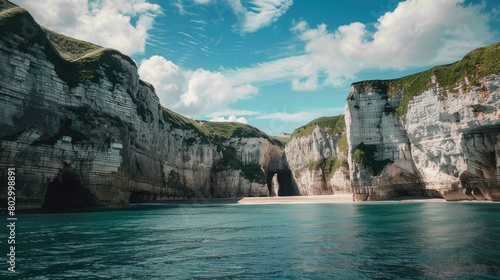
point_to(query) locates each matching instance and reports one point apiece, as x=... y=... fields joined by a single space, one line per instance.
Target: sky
x=274 y=64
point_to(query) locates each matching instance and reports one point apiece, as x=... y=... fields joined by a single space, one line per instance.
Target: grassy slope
x=475 y=65
x=335 y=124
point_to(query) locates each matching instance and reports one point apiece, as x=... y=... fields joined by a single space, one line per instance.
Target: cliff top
x=218 y=131
x=227 y=130
x=334 y=125
x=75 y=61
x=475 y=65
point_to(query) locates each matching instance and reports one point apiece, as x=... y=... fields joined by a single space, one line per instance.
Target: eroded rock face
x=447 y=143
x=376 y=136
x=110 y=135
x=455 y=139
x=306 y=156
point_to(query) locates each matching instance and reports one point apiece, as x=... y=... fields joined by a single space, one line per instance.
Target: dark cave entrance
x=285 y=187
x=66 y=191
x=138 y=197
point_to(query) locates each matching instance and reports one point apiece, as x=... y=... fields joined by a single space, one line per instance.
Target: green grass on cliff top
x=75 y=61
x=475 y=65
x=218 y=131
x=334 y=125
x=227 y=130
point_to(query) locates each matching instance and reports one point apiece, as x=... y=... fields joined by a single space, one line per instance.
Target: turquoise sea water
x=389 y=240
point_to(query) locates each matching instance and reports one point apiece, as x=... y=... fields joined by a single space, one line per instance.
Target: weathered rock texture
x=445 y=143
x=317 y=161
x=93 y=127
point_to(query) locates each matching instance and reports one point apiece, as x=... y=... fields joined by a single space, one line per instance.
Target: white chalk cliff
x=317 y=161
x=435 y=133
x=81 y=128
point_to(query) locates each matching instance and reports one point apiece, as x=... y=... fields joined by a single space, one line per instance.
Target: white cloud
x=229 y=112
x=192 y=92
x=107 y=23
x=269 y=72
x=302 y=116
x=203 y=2
x=231 y=118
x=417 y=33
x=258 y=14
x=168 y=79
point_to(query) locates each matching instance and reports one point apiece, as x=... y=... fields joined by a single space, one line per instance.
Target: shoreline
x=336 y=198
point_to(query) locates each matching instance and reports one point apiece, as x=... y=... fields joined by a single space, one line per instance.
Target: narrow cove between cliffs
x=363 y=240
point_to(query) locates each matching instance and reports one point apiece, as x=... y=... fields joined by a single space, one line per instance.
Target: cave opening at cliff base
x=66 y=191
x=284 y=178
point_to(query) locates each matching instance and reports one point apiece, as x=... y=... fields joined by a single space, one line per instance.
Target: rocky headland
x=82 y=129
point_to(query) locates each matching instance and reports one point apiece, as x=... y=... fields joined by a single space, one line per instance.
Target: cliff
x=435 y=133
x=317 y=156
x=81 y=128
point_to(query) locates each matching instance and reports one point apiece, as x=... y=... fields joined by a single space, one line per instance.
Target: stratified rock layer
x=92 y=125
x=312 y=159
x=446 y=144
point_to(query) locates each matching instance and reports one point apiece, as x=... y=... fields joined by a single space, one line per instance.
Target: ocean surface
x=385 y=240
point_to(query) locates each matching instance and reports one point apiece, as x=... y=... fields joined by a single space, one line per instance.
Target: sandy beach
x=336 y=198
x=297 y=199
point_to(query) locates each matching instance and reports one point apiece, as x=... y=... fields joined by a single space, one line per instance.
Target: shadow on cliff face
x=481 y=178
x=66 y=191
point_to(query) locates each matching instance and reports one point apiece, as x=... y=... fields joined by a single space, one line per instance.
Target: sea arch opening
x=284 y=182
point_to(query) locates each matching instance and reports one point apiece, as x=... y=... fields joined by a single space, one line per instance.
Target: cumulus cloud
x=416 y=33
x=229 y=112
x=118 y=24
x=231 y=118
x=258 y=14
x=192 y=92
x=203 y=2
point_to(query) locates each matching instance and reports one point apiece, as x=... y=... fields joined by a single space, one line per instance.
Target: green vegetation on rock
x=230 y=161
x=333 y=163
x=181 y=122
x=475 y=65
x=343 y=145
x=254 y=173
x=334 y=125
x=227 y=130
x=70 y=48
x=365 y=155
x=329 y=165
x=314 y=164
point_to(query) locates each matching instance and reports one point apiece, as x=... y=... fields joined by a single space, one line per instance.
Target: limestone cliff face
x=455 y=140
x=317 y=159
x=443 y=142
x=96 y=133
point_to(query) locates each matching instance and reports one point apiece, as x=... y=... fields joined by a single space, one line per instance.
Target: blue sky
x=274 y=64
